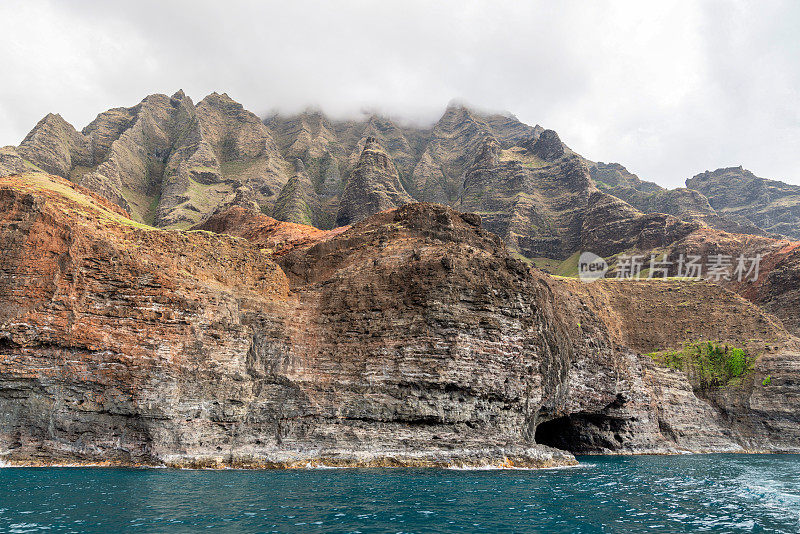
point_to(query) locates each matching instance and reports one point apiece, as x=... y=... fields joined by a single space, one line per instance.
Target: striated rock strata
x=410 y=338
x=648 y=197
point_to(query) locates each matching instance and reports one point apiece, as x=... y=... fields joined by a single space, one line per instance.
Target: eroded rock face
x=649 y=316
x=410 y=338
x=11 y=162
x=165 y=161
x=686 y=204
x=223 y=149
x=81 y=284
x=453 y=144
x=234 y=369
x=373 y=187
x=739 y=194
x=534 y=205
x=778 y=289
x=298 y=202
x=129 y=171
x=330 y=150
x=611 y=226
x=546 y=205
x=547 y=146
x=172 y=164
x=277 y=237
x=56 y=147
x=773 y=283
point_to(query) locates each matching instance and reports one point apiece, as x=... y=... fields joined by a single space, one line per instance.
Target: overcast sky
x=668 y=89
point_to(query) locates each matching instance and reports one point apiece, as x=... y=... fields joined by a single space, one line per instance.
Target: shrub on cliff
x=708 y=364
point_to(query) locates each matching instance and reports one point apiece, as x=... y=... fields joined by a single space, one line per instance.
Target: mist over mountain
x=669 y=89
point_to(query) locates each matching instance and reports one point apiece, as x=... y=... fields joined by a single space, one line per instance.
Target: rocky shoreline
x=515 y=457
x=535 y=457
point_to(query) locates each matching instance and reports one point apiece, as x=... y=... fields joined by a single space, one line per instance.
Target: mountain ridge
x=171 y=163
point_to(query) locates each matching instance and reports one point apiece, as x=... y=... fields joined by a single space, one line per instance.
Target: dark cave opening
x=584 y=433
x=555 y=433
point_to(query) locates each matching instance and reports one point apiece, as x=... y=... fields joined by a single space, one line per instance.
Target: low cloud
x=668 y=89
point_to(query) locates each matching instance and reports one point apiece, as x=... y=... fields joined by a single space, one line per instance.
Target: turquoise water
x=713 y=493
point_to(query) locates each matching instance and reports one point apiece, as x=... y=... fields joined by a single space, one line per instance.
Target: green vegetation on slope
x=708 y=365
x=43 y=182
x=569 y=267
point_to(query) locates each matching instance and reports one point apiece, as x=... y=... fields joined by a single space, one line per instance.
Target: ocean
x=691 y=493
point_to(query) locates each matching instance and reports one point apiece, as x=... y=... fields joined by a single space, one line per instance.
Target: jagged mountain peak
x=373 y=186
x=55 y=146
x=547 y=146
x=155 y=99
x=456 y=103
x=166 y=155
x=222 y=101
x=457 y=114
x=648 y=197
x=216 y=95
x=458 y=109
x=380 y=123
x=53 y=119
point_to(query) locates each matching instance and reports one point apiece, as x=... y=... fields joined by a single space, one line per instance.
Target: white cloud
x=668 y=89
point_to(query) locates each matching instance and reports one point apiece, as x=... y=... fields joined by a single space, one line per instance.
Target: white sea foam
x=772 y=496
x=309 y=465
x=513 y=468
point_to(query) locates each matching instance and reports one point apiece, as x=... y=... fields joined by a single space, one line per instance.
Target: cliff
x=649 y=316
x=686 y=204
x=133 y=345
x=410 y=338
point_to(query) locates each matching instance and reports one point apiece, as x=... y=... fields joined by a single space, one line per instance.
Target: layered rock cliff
x=759 y=413
x=535 y=205
x=410 y=338
x=135 y=345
